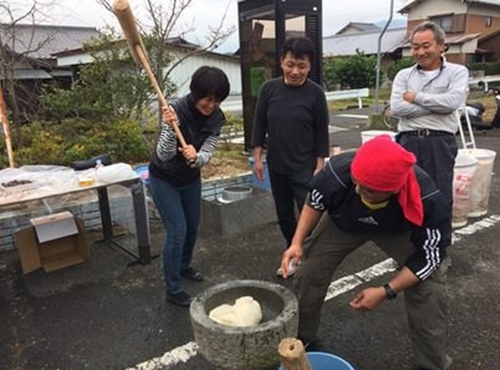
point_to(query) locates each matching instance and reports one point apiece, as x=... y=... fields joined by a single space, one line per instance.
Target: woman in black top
x=175 y=173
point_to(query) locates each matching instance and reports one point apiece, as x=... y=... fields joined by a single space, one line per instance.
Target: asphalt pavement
x=106 y=314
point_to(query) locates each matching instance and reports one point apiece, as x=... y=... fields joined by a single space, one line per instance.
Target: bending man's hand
x=294 y=252
x=368 y=299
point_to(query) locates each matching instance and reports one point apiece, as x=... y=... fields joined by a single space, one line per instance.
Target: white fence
x=234 y=104
x=349 y=94
x=483 y=81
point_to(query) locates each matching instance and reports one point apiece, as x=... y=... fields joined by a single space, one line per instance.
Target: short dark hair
x=209 y=82
x=299 y=47
x=438 y=32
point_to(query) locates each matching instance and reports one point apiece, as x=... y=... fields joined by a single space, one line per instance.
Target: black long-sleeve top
x=295 y=120
x=332 y=190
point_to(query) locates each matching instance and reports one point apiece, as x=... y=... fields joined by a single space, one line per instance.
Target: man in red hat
x=376 y=194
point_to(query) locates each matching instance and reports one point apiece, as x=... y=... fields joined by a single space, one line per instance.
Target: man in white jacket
x=426 y=97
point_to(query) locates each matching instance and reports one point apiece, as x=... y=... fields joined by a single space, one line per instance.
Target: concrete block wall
x=238 y=216
x=212 y=188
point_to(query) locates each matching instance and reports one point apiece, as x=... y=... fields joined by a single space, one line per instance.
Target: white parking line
x=333 y=128
x=171 y=358
x=485 y=223
x=350 y=282
x=336 y=288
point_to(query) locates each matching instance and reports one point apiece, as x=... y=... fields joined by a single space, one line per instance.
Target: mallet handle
x=293 y=355
x=164 y=102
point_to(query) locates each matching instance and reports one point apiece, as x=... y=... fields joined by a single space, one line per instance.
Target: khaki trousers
x=426 y=303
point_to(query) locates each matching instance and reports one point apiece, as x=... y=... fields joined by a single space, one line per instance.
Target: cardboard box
x=61 y=246
x=55 y=226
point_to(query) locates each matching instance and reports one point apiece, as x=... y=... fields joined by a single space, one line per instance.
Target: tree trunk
x=14 y=106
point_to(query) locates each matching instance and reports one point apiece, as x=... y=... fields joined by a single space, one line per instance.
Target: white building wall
x=469 y=47
x=70 y=60
x=181 y=75
x=433 y=7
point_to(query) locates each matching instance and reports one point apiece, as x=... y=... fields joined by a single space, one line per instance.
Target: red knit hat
x=383 y=165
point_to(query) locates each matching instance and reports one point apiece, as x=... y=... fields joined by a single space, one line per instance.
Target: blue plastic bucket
x=143 y=173
x=326 y=361
x=265 y=184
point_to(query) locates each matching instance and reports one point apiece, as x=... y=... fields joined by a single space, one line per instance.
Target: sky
x=203 y=13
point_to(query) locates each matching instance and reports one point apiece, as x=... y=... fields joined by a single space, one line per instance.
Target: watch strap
x=390 y=294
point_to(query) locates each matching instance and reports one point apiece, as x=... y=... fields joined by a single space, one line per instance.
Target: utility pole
x=379 y=56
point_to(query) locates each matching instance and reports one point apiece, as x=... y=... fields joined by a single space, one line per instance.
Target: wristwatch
x=390 y=294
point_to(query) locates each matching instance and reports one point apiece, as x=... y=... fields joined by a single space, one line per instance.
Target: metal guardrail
x=349 y=94
x=232 y=105
x=483 y=81
x=235 y=105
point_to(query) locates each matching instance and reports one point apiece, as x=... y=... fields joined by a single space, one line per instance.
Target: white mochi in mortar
x=246 y=311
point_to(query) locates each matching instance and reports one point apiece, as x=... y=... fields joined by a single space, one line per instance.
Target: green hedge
x=76 y=139
x=488 y=68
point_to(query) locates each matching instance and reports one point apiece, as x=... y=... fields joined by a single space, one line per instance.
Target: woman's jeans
x=179 y=208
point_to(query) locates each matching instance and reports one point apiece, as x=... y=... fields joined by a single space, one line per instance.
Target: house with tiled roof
x=26 y=57
x=471 y=27
x=357 y=27
x=31 y=47
x=35 y=54
x=347 y=44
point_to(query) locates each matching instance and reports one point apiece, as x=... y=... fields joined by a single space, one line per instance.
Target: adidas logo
x=368 y=220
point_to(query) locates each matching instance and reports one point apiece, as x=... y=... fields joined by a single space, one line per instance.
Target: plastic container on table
x=143 y=172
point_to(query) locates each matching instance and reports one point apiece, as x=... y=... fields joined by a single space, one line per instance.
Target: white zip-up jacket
x=437 y=100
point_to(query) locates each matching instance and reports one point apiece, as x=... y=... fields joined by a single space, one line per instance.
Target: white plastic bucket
x=370 y=134
x=481 y=183
x=463 y=173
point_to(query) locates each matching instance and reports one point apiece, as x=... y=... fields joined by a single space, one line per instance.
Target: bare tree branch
x=13 y=53
x=216 y=36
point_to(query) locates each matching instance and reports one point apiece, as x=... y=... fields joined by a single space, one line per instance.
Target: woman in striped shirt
x=175 y=173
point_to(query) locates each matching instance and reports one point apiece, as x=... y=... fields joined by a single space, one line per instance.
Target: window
x=445 y=22
x=488 y=20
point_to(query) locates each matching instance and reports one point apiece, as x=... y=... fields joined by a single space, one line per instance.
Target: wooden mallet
x=126 y=18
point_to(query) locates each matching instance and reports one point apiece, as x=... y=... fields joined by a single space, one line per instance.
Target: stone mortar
x=245 y=348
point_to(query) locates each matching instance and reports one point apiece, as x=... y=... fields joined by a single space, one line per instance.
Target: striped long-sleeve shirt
x=332 y=190
x=198 y=130
x=168 y=146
